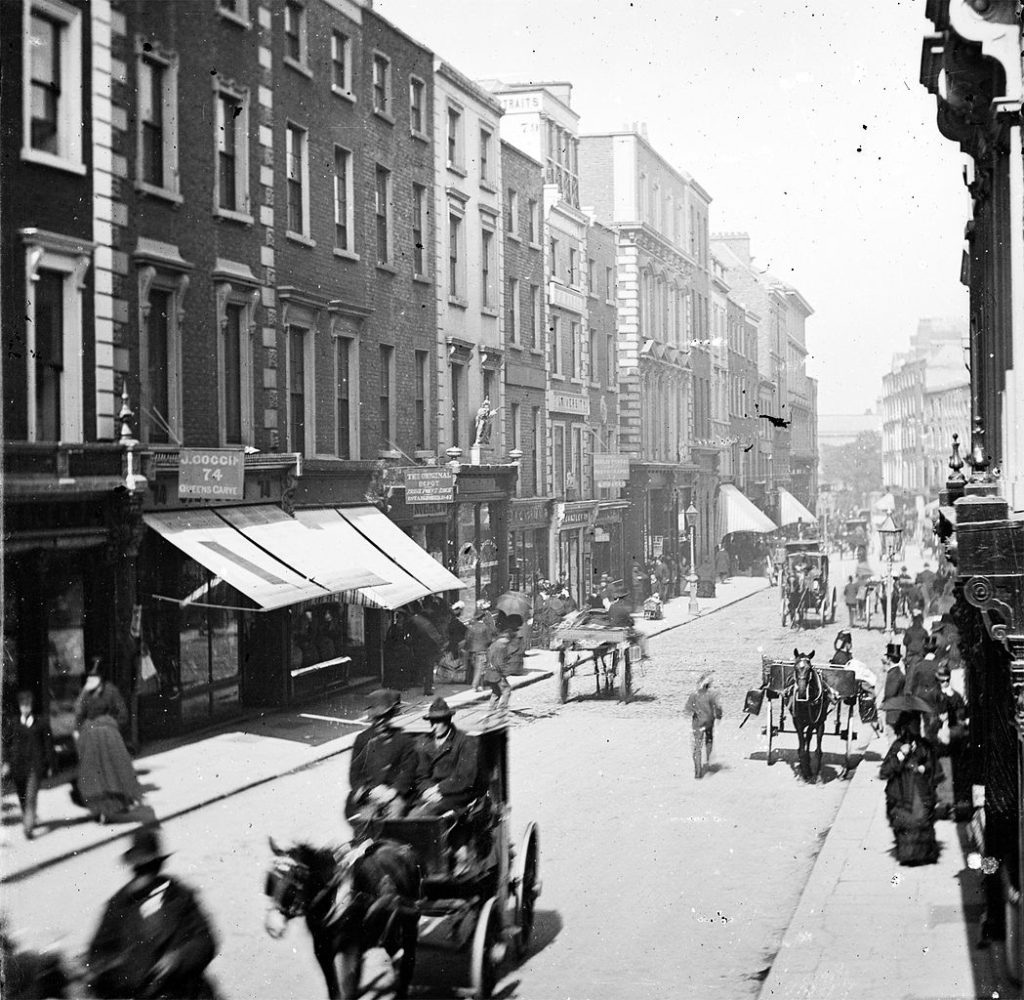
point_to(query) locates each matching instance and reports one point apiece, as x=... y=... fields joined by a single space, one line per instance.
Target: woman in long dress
x=106 y=779
x=911 y=772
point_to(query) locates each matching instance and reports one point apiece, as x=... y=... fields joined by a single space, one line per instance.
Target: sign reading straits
x=211 y=473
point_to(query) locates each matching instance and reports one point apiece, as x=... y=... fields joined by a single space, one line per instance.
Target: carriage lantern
x=890 y=537
x=691 y=524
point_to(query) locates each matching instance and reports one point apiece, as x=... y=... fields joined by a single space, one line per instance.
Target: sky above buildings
x=805 y=121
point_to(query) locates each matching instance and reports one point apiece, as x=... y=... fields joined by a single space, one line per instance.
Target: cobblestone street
x=654 y=884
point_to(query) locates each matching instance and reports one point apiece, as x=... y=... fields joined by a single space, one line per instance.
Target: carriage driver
x=383 y=767
x=446 y=772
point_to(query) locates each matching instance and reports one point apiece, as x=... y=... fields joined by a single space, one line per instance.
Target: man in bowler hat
x=382 y=769
x=154 y=939
x=448 y=765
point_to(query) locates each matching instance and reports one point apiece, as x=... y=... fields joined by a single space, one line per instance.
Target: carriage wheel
x=563 y=678
x=527 y=883
x=771 y=730
x=489 y=949
x=625 y=677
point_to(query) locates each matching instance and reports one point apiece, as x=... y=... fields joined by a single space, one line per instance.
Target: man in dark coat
x=29 y=758
x=895 y=678
x=914 y=639
x=843 y=648
x=427 y=645
x=382 y=770
x=448 y=765
x=153 y=939
x=704 y=709
x=498 y=667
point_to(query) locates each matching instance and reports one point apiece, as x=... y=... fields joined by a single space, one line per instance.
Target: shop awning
x=367 y=538
x=737 y=513
x=302 y=550
x=208 y=539
x=792 y=510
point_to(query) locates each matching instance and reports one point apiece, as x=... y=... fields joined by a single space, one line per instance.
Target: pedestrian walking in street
x=953 y=747
x=106 y=779
x=382 y=769
x=29 y=758
x=895 y=679
x=722 y=564
x=850 y=599
x=914 y=639
x=480 y=634
x=427 y=644
x=910 y=770
x=153 y=939
x=496 y=674
x=638 y=578
x=704 y=709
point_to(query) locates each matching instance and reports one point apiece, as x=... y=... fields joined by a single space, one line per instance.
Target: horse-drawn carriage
x=589 y=638
x=807 y=693
x=479 y=915
x=804 y=585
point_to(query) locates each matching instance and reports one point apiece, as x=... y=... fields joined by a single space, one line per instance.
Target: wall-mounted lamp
x=451 y=350
x=483 y=358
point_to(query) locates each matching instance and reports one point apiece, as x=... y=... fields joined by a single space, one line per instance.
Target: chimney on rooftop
x=738 y=243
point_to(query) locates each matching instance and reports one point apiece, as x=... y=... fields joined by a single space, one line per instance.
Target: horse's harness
x=824 y=697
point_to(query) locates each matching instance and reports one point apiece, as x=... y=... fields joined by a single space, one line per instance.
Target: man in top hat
x=382 y=770
x=154 y=939
x=895 y=678
x=448 y=765
x=922 y=681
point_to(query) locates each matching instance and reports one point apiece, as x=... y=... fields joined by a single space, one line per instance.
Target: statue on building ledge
x=483 y=424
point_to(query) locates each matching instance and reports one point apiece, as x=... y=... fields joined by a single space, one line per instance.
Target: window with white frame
x=512 y=213
x=236 y=325
x=417 y=106
x=536 y=316
x=558 y=458
x=533 y=222
x=609 y=284
x=456 y=256
x=575 y=350
x=512 y=310
x=55 y=269
x=386 y=399
x=295 y=35
x=346 y=378
x=161 y=313
x=488 y=267
x=344 y=229
x=556 y=345
x=454 y=138
x=382 y=212
x=341 y=63
x=299 y=341
x=486 y=155
x=296 y=155
x=52 y=85
x=231 y=133
x=234 y=10
x=381 y=84
x=573 y=273
x=419 y=229
x=421 y=400
x=157 y=140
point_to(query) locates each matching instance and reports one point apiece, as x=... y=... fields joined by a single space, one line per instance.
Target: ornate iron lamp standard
x=891 y=538
x=691 y=526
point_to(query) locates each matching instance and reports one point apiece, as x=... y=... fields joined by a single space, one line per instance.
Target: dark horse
x=354 y=898
x=809 y=699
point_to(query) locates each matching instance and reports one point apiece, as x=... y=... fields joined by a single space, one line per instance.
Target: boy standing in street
x=704 y=709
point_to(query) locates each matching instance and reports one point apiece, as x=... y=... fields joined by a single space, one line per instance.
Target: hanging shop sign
x=568 y=402
x=611 y=470
x=211 y=474
x=429 y=485
x=581 y=514
x=533 y=512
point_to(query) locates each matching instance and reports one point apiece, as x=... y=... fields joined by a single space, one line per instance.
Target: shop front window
x=328 y=644
x=65 y=651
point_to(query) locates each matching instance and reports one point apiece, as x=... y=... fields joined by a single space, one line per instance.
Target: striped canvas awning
x=737 y=513
x=792 y=510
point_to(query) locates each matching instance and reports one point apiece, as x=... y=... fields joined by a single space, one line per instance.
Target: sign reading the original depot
x=429 y=485
x=211 y=474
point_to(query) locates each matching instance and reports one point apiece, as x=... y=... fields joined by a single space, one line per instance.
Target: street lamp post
x=691 y=525
x=890 y=537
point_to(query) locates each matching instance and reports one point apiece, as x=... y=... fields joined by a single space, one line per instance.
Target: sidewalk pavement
x=181 y=776
x=868 y=929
